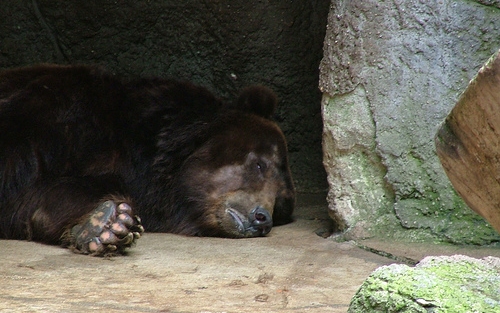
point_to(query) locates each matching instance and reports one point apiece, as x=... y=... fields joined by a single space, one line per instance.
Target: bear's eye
x=261 y=166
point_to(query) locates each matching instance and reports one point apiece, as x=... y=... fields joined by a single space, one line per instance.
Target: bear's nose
x=261 y=220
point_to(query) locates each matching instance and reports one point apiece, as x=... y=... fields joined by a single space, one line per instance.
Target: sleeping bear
x=89 y=160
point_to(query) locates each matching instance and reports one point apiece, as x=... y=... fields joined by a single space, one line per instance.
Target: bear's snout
x=261 y=221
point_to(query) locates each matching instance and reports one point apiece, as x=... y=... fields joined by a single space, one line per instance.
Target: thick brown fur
x=74 y=136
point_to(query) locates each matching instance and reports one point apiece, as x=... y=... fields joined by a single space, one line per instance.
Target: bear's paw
x=109 y=230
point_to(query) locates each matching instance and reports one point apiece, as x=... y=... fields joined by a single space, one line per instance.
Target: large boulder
x=458 y=284
x=391 y=72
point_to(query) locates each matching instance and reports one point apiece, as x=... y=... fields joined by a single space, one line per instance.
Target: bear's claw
x=109 y=230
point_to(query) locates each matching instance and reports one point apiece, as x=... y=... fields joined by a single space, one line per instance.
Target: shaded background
x=222 y=45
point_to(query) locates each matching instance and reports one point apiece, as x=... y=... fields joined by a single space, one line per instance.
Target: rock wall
x=391 y=72
x=222 y=45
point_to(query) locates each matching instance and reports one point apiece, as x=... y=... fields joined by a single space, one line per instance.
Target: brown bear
x=89 y=160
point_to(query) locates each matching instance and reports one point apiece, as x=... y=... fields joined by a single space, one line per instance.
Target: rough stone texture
x=437 y=284
x=222 y=45
x=495 y=3
x=391 y=72
x=354 y=171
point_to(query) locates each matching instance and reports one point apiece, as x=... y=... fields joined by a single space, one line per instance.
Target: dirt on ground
x=291 y=270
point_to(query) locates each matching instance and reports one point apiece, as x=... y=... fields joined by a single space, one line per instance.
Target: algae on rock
x=437 y=284
x=391 y=72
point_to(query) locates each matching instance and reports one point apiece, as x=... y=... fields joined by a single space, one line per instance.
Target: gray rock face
x=390 y=74
x=437 y=284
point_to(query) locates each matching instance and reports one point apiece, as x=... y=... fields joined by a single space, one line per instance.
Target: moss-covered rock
x=391 y=72
x=436 y=284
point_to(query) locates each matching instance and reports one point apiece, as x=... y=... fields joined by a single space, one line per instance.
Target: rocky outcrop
x=390 y=74
x=437 y=284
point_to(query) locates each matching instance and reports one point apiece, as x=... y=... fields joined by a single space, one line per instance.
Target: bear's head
x=239 y=179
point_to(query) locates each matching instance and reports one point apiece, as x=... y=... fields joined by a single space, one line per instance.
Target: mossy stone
x=437 y=284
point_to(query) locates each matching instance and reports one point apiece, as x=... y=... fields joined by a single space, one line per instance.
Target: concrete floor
x=291 y=270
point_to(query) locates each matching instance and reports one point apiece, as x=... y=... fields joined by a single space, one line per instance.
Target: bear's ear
x=258 y=100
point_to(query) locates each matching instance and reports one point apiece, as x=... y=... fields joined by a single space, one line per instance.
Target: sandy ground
x=291 y=270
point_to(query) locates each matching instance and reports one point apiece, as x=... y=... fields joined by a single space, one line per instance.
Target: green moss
x=463 y=286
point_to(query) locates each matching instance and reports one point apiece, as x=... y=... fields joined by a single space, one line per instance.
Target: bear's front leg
x=108 y=230
x=90 y=215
